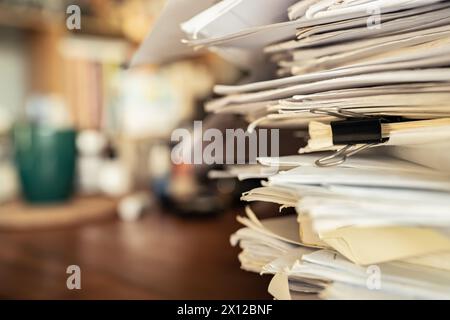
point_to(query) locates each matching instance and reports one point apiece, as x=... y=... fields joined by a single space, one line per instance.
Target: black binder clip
x=357 y=132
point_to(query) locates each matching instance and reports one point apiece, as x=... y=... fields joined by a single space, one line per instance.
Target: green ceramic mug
x=46 y=161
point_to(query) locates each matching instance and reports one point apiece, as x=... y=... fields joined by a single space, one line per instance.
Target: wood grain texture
x=159 y=257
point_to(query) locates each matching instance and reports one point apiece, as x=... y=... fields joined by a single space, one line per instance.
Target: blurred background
x=85 y=172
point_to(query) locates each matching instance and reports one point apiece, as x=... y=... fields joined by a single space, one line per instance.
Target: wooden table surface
x=159 y=257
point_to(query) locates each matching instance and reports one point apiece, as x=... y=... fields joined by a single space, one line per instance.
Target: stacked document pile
x=367 y=82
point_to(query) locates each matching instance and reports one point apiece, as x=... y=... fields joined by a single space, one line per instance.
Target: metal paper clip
x=339 y=113
x=340 y=156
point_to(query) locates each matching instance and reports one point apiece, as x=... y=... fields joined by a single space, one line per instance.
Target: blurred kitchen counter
x=161 y=256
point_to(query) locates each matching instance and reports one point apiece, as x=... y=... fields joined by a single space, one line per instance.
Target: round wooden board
x=16 y=216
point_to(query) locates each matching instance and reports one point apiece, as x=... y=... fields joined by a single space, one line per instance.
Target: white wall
x=13 y=70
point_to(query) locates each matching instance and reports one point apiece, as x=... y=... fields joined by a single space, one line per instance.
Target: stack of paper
x=367 y=83
x=370 y=212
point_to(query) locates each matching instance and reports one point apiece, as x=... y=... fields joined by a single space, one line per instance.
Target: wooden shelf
x=29 y=19
x=35 y=20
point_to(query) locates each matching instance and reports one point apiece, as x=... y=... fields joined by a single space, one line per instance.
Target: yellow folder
x=366 y=246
